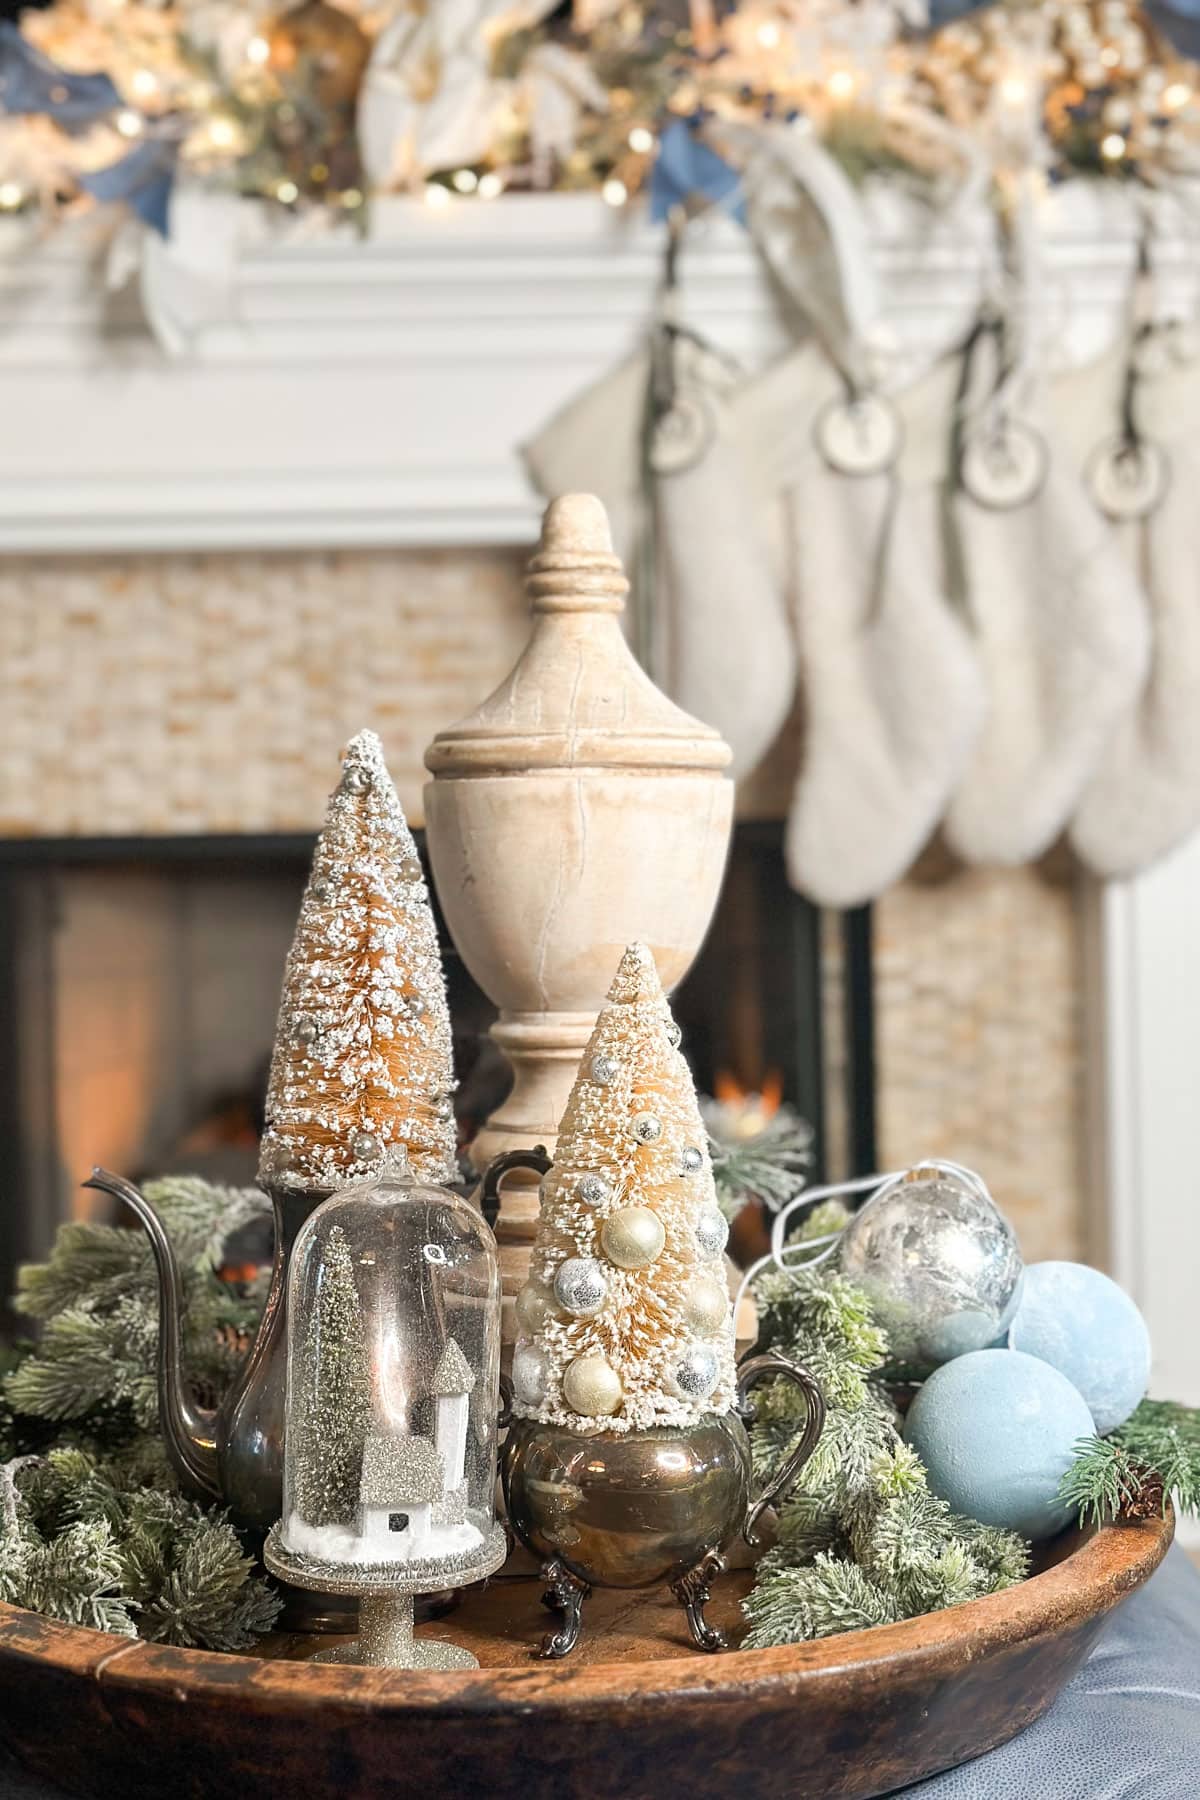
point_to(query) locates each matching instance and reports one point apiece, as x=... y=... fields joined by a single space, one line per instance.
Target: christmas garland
x=332 y=103
x=92 y=1527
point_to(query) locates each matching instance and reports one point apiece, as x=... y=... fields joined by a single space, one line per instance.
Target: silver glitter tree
x=362 y=1060
x=332 y=1409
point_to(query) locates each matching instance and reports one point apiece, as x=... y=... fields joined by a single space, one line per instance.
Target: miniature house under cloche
x=393 y=1395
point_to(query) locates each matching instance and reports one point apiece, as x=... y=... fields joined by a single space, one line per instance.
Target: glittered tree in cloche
x=330 y=1406
x=362 y=1063
x=626 y=1318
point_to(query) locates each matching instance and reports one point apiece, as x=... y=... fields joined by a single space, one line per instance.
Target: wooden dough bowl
x=635 y=1714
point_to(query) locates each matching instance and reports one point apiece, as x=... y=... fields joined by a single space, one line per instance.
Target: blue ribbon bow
x=31 y=83
x=686 y=167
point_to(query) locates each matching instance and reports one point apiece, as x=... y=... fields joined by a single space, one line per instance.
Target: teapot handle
x=763 y=1368
x=487 y=1194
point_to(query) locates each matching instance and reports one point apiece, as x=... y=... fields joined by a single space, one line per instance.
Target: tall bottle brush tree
x=627 y=1317
x=362 y=1063
x=330 y=1406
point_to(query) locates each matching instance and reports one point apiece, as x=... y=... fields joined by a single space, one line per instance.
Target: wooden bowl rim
x=1089 y=1580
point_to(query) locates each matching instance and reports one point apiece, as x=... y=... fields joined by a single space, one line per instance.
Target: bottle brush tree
x=362 y=1061
x=627 y=1317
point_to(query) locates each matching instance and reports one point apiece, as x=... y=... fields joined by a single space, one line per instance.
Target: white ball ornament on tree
x=530 y=1373
x=632 y=1237
x=536 y=1306
x=997 y=1431
x=938 y=1262
x=1085 y=1326
x=706 y=1304
x=592 y=1388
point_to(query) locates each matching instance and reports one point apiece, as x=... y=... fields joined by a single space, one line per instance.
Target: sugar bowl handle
x=765 y=1368
x=487 y=1194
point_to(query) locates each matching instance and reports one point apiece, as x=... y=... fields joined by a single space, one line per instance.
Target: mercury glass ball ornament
x=712 y=1230
x=692 y=1160
x=530 y=1374
x=939 y=1264
x=306 y=1029
x=580 y=1286
x=366 y=1146
x=604 y=1069
x=697 y=1372
x=591 y=1387
x=592 y=1189
x=632 y=1237
x=705 y=1305
x=534 y=1307
x=647 y=1128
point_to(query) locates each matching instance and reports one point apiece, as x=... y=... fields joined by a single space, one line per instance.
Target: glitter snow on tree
x=362 y=1060
x=332 y=1408
x=627 y=1318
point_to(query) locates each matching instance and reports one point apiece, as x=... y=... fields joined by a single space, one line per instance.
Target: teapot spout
x=189 y=1430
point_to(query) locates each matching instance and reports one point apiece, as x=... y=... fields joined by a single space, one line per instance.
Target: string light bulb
x=128 y=123
x=11 y=196
x=436 y=196
x=1112 y=146
x=614 y=192
x=287 y=191
x=641 y=140
x=222 y=131
x=1014 y=90
x=144 y=82
x=768 y=34
x=1176 y=95
x=258 y=50
x=490 y=186
x=841 y=84
x=465 y=181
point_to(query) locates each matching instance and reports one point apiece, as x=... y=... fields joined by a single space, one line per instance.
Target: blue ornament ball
x=996 y=1431
x=1084 y=1325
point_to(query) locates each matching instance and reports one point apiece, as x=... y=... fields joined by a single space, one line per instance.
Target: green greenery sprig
x=862 y=1540
x=92 y=1529
x=1153 y=1458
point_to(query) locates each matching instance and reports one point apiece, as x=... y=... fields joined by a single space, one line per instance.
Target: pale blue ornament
x=1088 y=1328
x=997 y=1431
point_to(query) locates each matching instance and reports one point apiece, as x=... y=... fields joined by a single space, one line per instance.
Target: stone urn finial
x=576 y=810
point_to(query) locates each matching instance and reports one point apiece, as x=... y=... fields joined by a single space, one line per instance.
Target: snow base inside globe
x=338 y=1544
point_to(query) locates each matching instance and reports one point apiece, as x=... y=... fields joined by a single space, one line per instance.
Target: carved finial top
x=574 y=568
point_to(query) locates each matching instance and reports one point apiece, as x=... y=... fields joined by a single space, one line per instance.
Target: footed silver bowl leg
x=565 y=1592
x=385 y=1640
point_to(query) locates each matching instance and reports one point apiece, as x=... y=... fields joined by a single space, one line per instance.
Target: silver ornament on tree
x=938 y=1262
x=580 y=1286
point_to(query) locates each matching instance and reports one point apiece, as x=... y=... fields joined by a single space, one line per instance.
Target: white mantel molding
x=331 y=390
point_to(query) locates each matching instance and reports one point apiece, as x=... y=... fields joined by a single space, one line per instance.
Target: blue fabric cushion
x=1126 y=1728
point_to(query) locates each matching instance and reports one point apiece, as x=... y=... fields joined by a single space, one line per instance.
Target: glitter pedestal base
x=385 y=1640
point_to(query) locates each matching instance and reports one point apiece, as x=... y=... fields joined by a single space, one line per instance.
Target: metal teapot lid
x=577 y=697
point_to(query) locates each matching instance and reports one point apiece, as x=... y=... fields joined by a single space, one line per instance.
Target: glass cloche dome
x=393 y=1392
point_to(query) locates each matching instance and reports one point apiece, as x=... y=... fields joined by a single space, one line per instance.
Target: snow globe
x=392 y=1400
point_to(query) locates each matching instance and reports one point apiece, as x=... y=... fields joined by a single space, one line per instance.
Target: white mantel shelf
x=328 y=390
x=340 y=391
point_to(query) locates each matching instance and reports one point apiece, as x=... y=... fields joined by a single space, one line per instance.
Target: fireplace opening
x=139 y=983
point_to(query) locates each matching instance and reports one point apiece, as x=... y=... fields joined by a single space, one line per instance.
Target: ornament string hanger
x=813 y=1252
